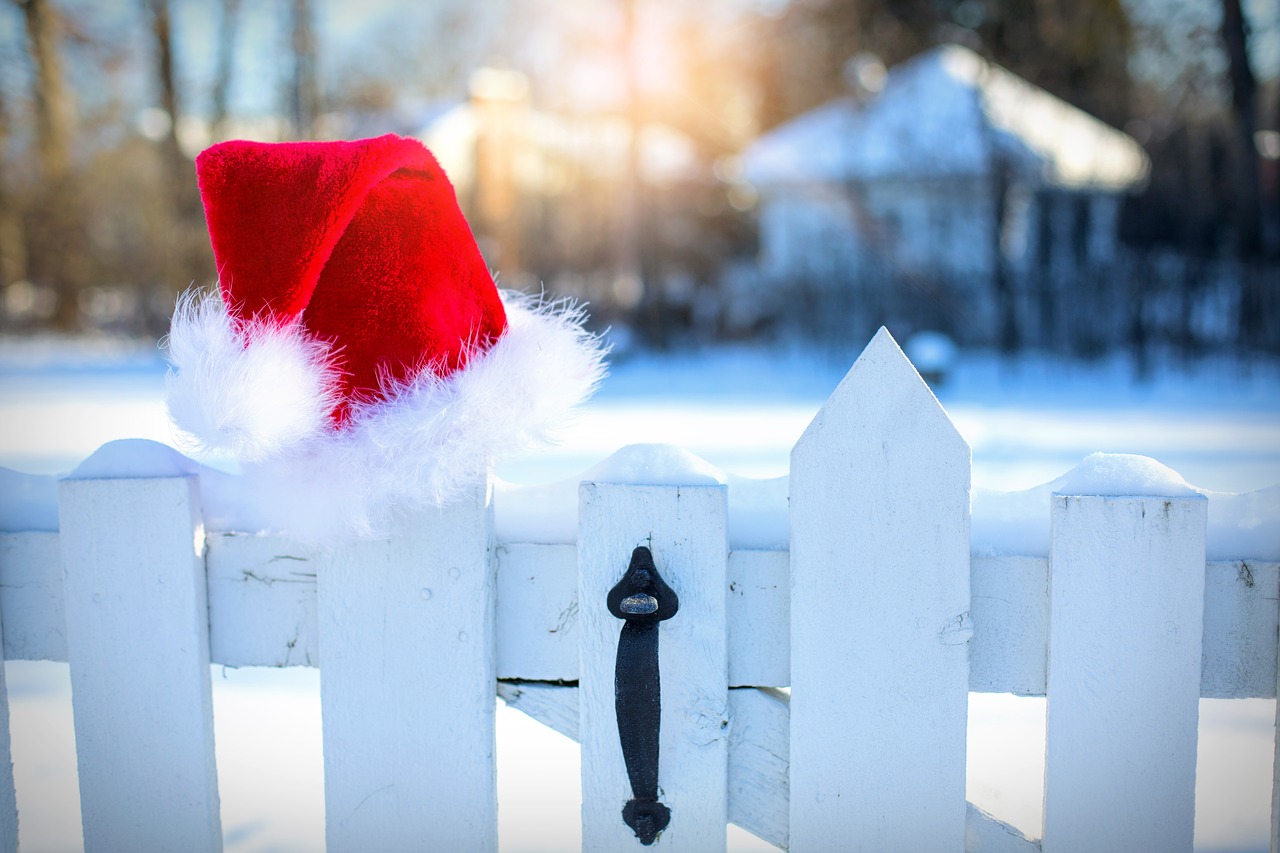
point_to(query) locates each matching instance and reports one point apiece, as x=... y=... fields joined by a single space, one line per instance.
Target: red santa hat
x=358 y=357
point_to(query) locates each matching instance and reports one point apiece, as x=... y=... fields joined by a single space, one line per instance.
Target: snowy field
x=741 y=410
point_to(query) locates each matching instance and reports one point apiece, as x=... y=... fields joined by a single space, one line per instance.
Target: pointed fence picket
x=878 y=619
x=879 y=616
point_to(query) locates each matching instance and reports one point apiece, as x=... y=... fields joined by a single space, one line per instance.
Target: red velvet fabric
x=362 y=241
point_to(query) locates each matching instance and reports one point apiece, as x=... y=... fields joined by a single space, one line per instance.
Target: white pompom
x=252 y=389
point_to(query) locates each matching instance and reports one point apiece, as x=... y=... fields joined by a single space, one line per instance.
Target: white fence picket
x=685 y=527
x=1275 y=766
x=879 y=616
x=1127 y=598
x=407 y=686
x=8 y=797
x=137 y=622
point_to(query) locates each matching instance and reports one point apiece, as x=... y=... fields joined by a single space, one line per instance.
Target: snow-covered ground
x=1028 y=423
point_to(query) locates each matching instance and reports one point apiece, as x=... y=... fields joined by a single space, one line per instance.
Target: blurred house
x=935 y=200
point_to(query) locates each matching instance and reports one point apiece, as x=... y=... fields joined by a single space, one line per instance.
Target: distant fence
x=878 y=619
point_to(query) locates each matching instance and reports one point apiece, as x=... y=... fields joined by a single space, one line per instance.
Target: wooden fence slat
x=31 y=604
x=685 y=528
x=538 y=612
x=985 y=834
x=137 y=623
x=407 y=685
x=1009 y=606
x=879 y=616
x=1127 y=597
x=8 y=798
x=1275 y=766
x=759 y=763
x=759 y=619
x=262 y=601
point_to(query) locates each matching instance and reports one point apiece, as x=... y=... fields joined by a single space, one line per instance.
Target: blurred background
x=1068 y=210
x=1069 y=177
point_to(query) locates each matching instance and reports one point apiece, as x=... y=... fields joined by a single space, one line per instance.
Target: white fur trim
x=430 y=440
x=251 y=389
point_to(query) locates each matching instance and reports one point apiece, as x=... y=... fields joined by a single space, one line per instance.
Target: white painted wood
x=553 y=705
x=759 y=761
x=262 y=601
x=31 y=596
x=538 y=612
x=8 y=799
x=407 y=686
x=759 y=610
x=1007 y=652
x=1009 y=605
x=685 y=528
x=986 y=834
x=138 y=644
x=1127 y=597
x=879 y=616
x=1275 y=765
x=1240 y=629
x=757 y=765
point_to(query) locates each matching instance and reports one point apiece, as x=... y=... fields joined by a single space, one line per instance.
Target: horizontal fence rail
x=789 y=677
x=262 y=612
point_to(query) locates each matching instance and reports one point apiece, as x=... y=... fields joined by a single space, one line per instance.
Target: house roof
x=944 y=114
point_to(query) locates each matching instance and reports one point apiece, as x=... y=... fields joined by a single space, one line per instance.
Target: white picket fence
x=878 y=619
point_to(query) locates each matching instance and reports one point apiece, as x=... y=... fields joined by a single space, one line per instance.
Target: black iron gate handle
x=643 y=600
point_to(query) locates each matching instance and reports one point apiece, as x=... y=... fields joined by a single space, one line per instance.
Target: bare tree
x=1246 y=183
x=1244 y=89
x=162 y=30
x=52 y=104
x=305 y=88
x=226 y=56
x=52 y=230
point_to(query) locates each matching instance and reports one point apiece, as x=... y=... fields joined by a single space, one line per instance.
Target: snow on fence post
x=685 y=528
x=8 y=799
x=407 y=675
x=879 y=616
x=137 y=622
x=1127 y=577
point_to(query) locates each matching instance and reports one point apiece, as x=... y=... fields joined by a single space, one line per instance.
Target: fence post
x=685 y=528
x=1275 y=766
x=879 y=616
x=137 y=621
x=8 y=799
x=407 y=680
x=1126 y=582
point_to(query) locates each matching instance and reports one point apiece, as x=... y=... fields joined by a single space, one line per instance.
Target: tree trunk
x=226 y=56
x=52 y=228
x=1247 y=178
x=305 y=94
x=174 y=162
x=53 y=109
x=1243 y=108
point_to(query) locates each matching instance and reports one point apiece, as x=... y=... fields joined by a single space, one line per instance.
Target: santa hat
x=358 y=356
